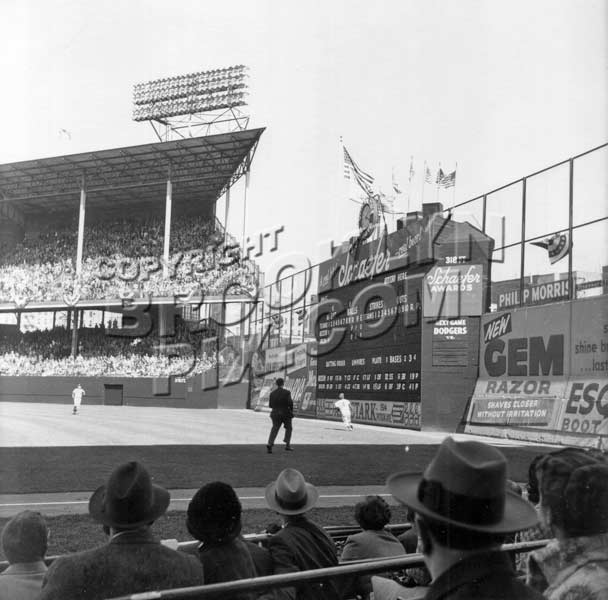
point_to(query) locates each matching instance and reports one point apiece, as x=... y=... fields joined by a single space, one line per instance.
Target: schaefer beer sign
x=453 y=291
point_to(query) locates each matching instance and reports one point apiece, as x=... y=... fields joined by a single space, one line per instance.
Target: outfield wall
x=543 y=374
x=128 y=391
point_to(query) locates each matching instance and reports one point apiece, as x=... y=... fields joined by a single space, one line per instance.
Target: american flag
x=351 y=169
x=447 y=181
x=428 y=176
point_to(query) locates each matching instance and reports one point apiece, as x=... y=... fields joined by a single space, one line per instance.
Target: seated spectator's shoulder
x=261 y=559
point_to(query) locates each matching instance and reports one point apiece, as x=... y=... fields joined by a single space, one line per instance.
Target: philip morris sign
x=540 y=293
x=453 y=291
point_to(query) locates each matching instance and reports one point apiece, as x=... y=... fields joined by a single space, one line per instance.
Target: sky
x=500 y=89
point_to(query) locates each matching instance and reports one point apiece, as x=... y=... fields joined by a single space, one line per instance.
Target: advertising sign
x=513 y=411
x=299 y=375
x=298 y=357
x=453 y=291
x=539 y=293
x=545 y=367
x=409 y=246
x=395 y=414
x=585 y=408
x=301 y=379
x=452 y=343
x=523 y=360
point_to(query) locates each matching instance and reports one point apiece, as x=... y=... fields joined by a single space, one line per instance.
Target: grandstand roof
x=131 y=178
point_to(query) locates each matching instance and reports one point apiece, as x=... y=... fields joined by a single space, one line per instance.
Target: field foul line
x=74 y=502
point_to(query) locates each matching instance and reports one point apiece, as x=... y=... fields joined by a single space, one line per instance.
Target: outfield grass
x=72 y=533
x=84 y=468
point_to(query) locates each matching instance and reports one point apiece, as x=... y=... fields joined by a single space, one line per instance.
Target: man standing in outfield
x=281 y=413
x=344 y=406
x=77 y=394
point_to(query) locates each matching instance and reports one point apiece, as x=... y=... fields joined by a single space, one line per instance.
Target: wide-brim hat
x=290 y=494
x=465 y=485
x=129 y=499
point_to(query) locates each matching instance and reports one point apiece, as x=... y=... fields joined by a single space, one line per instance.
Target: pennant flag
x=428 y=176
x=448 y=181
x=396 y=187
x=557 y=246
x=387 y=204
x=352 y=171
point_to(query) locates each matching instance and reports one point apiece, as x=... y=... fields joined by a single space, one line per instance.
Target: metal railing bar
x=368 y=567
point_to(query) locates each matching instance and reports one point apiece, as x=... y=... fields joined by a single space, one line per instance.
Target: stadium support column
x=245 y=202
x=79 y=249
x=167 y=238
x=75 y=333
x=226 y=214
x=81 y=215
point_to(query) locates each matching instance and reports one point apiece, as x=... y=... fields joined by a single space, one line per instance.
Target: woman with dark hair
x=573 y=489
x=373 y=515
x=214 y=518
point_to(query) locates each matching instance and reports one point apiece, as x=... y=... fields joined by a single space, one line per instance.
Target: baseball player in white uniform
x=77 y=394
x=344 y=406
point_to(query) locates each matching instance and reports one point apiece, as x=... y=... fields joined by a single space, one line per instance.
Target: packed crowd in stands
x=123 y=259
x=48 y=353
x=463 y=509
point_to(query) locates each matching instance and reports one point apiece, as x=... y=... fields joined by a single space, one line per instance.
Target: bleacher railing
x=366 y=567
x=336 y=532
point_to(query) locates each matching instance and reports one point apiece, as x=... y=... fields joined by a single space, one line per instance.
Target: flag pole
x=409 y=185
x=341 y=186
x=423 y=182
x=454 y=190
x=437 y=184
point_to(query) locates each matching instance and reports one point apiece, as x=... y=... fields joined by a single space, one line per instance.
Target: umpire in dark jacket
x=281 y=413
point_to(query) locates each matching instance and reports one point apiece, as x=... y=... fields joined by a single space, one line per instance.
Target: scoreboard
x=386 y=361
x=396 y=316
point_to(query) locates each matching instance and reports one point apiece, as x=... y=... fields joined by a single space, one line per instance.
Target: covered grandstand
x=87 y=238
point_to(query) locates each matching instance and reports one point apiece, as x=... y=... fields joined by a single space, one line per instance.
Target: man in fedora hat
x=300 y=545
x=133 y=561
x=463 y=513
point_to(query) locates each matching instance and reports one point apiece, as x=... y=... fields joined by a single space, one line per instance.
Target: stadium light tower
x=195 y=104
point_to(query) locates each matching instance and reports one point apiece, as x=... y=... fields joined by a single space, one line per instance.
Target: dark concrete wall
x=136 y=391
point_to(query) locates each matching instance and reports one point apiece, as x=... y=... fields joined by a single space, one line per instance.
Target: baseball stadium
x=139 y=330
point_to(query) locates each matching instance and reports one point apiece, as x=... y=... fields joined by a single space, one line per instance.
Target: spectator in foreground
x=300 y=545
x=463 y=512
x=133 y=561
x=373 y=515
x=414 y=576
x=24 y=543
x=573 y=488
x=214 y=518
